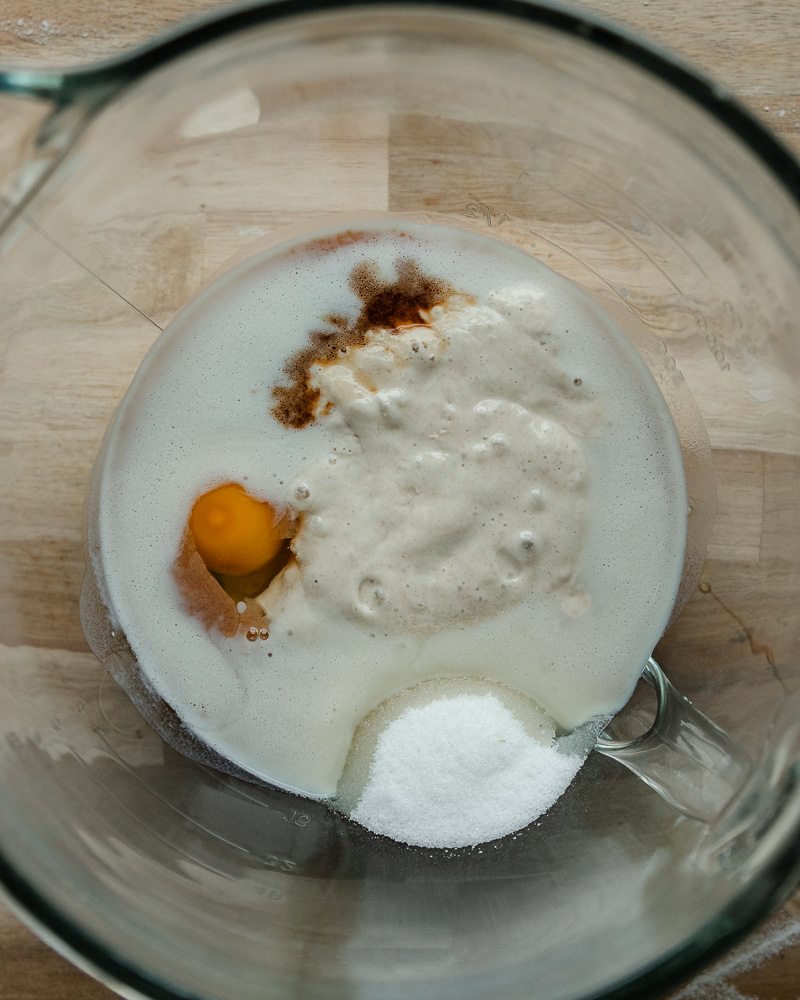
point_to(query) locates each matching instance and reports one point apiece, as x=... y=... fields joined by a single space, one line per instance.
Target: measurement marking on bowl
x=620 y=232
x=282 y=864
x=575 y=257
x=299 y=819
x=274 y=894
x=480 y=210
x=671 y=363
x=713 y=345
x=642 y=211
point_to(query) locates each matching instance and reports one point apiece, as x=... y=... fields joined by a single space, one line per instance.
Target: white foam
x=198 y=414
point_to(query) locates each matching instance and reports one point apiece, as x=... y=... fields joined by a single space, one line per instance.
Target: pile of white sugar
x=458 y=772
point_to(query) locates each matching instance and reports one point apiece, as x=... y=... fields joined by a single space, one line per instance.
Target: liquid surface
x=495 y=491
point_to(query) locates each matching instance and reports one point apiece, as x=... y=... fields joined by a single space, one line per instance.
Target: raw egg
x=234 y=533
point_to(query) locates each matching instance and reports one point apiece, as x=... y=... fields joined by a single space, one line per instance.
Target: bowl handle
x=692 y=763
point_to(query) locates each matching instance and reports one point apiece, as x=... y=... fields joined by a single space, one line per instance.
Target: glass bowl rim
x=104 y=79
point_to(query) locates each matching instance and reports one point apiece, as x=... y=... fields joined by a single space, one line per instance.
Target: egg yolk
x=234 y=533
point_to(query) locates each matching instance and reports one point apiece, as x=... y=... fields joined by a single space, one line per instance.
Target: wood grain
x=29 y=970
x=752 y=48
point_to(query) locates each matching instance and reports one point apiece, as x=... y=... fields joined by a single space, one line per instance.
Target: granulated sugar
x=458 y=772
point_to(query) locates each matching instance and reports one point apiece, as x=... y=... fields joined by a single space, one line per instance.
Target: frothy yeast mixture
x=492 y=488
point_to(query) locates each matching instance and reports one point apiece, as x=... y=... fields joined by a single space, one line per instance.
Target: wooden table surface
x=752 y=46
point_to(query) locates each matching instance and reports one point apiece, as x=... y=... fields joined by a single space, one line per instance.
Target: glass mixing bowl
x=129 y=185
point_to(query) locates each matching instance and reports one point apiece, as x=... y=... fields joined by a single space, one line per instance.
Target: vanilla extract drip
x=387 y=305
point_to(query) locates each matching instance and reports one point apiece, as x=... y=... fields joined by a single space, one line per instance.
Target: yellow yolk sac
x=234 y=533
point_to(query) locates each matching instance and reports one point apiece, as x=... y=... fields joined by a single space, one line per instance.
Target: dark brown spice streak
x=385 y=305
x=204 y=597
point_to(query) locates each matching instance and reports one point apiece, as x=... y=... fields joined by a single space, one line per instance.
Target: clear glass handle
x=692 y=763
